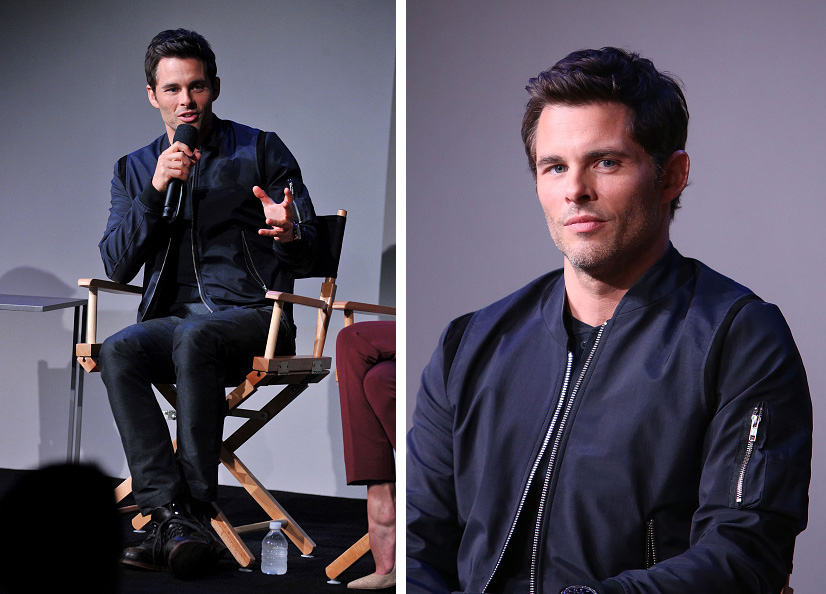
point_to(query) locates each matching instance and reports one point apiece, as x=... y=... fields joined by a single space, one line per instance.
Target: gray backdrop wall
x=754 y=75
x=320 y=73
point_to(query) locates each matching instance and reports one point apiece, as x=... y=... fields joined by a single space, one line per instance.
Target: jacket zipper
x=756 y=417
x=650 y=544
x=160 y=275
x=190 y=186
x=163 y=264
x=536 y=462
x=553 y=454
x=250 y=264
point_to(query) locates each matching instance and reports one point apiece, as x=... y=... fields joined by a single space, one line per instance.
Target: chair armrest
x=108 y=286
x=365 y=307
x=94 y=285
x=349 y=307
x=280 y=297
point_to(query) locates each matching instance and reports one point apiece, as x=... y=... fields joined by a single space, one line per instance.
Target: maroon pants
x=366 y=367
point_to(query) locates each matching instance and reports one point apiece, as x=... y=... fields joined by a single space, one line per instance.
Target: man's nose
x=578 y=186
x=186 y=98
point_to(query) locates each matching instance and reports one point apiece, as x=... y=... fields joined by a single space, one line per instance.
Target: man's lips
x=583 y=223
x=188 y=116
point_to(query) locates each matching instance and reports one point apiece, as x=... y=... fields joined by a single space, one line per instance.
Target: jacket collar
x=216 y=133
x=670 y=272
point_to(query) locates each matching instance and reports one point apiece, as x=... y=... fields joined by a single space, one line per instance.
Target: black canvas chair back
x=330 y=240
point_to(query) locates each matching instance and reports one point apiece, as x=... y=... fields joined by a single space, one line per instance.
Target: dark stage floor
x=333 y=523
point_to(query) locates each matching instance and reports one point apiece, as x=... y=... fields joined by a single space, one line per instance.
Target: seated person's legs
x=211 y=352
x=380 y=391
x=365 y=354
x=368 y=430
x=200 y=354
x=130 y=361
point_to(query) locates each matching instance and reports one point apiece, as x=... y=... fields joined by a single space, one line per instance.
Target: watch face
x=578 y=590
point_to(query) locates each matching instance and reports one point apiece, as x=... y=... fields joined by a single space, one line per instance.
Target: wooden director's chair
x=360 y=548
x=295 y=373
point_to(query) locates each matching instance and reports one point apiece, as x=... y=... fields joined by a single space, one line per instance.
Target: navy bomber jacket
x=234 y=265
x=679 y=462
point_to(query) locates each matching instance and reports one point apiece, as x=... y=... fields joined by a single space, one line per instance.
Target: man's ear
x=675 y=175
x=216 y=88
x=152 y=99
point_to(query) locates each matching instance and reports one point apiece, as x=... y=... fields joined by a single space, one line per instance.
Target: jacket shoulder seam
x=715 y=346
x=452 y=343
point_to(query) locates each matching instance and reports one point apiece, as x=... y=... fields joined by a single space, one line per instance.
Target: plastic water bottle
x=274 y=551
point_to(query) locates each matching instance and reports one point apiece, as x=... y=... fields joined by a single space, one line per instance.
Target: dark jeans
x=201 y=354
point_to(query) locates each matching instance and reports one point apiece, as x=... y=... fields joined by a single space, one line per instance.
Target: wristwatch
x=578 y=590
x=296 y=230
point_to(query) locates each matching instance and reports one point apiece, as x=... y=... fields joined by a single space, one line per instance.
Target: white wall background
x=320 y=73
x=754 y=75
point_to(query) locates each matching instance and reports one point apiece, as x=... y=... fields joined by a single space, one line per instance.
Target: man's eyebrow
x=174 y=85
x=592 y=155
x=607 y=152
x=548 y=160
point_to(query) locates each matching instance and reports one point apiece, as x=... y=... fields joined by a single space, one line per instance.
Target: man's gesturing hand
x=279 y=217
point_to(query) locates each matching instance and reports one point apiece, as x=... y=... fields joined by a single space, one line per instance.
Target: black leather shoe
x=147 y=555
x=188 y=545
x=177 y=541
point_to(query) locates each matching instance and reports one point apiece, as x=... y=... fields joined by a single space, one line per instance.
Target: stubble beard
x=604 y=257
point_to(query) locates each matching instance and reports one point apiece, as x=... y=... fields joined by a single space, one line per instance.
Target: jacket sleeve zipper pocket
x=756 y=417
x=650 y=544
x=250 y=264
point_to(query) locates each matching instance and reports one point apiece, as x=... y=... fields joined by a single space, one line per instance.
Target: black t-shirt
x=179 y=284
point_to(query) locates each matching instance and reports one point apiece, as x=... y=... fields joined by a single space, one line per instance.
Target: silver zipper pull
x=755 y=422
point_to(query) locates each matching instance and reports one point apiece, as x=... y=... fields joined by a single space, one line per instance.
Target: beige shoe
x=374 y=581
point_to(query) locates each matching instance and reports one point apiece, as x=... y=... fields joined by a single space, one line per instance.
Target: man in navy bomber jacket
x=632 y=423
x=243 y=225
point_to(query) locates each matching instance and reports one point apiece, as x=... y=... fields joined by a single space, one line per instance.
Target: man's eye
x=607 y=163
x=558 y=168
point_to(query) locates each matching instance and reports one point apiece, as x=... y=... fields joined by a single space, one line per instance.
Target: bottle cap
x=275 y=525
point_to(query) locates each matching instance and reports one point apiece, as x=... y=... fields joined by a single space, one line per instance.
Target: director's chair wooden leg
x=123 y=489
x=267 y=502
x=348 y=557
x=232 y=539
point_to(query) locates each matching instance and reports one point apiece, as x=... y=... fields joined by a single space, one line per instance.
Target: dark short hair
x=659 y=114
x=178 y=43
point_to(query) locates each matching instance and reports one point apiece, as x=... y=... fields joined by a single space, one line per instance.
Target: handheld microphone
x=188 y=134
